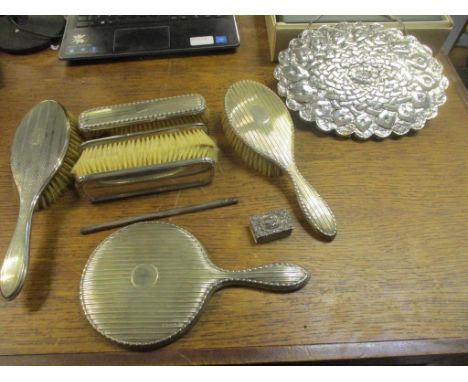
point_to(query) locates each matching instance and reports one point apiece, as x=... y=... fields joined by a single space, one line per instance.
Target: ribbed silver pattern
x=146 y=284
x=158 y=109
x=262 y=122
x=39 y=148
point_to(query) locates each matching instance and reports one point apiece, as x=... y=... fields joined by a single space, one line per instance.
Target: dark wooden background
x=394 y=282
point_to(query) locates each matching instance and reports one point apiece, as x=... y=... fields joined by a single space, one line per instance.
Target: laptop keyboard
x=96 y=21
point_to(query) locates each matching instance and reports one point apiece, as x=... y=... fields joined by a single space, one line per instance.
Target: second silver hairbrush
x=262 y=132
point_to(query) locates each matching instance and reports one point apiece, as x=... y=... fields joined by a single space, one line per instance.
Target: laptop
x=103 y=37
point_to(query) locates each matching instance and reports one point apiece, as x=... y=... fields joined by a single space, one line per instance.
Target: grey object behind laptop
x=353 y=18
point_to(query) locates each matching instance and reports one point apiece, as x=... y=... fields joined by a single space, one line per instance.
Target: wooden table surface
x=394 y=282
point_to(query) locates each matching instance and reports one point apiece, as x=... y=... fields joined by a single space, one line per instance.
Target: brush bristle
x=147 y=150
x=146 y=126
x=254 y=160
x=63 y=176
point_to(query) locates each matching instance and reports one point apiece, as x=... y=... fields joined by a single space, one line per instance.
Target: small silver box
x=271 y=226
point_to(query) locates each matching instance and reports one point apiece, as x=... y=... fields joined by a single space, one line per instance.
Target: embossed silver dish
x=146 y=284
x=361 y=79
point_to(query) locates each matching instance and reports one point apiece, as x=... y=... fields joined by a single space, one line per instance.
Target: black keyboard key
x=92 y=21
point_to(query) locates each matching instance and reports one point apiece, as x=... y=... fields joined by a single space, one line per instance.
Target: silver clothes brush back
x=142 y=115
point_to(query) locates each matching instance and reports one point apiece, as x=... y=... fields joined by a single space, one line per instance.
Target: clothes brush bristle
x=254 y=160
x=144 y=151
x=147 y=126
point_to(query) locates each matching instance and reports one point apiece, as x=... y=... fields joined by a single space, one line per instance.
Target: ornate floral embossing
x=361 y=79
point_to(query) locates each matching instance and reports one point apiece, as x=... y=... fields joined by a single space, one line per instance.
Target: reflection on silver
x=152 y=179
x=146 y=284
x=361 y=79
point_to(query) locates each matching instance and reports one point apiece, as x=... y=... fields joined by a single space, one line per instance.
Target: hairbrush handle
x=315 y=209
x=279 y=277
x=15 y=264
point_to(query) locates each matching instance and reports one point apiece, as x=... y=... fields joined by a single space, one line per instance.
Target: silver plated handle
x=315 y=209
x=15 y=264
x=279 y=277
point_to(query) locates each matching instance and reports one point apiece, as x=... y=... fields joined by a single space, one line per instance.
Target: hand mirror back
x=146 y=284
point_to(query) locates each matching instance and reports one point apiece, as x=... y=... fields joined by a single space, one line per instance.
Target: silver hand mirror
x=146 y=284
